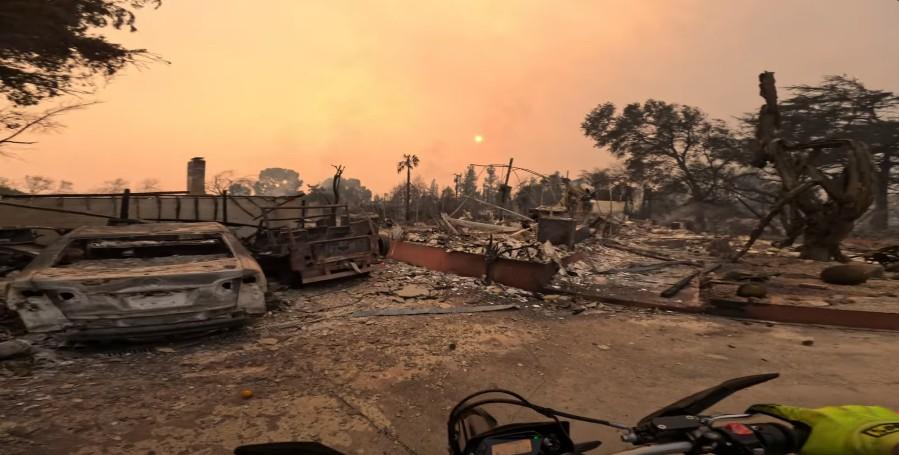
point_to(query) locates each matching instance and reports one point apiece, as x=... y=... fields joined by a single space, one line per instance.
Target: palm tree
x=408 y=162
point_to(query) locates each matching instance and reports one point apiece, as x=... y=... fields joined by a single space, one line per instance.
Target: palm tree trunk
x=408 y=188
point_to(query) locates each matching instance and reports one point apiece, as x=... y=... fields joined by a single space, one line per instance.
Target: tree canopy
x=352 y=192
x=665 y=144
x=276 y=181
x=843 y=107
x=51 y=47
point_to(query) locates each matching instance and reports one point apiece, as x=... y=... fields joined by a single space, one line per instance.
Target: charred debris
x=138 y=266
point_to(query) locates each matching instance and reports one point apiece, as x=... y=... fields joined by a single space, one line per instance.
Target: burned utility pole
x=505 y=191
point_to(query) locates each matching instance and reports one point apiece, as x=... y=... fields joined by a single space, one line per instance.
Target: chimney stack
x=196 y=176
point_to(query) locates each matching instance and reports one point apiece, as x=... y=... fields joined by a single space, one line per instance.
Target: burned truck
x=138 y=281
x=321 y=242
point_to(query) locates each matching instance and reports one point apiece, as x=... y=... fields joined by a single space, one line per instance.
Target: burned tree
x=826 y=184
x=335 y=182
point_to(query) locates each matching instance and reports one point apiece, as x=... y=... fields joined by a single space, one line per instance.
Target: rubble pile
x=521 y=245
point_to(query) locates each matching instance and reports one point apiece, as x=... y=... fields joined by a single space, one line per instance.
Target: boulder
x=851 y=274
x=752 y=290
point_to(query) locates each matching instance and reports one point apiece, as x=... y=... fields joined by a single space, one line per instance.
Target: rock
x=165 y=350
x=846 y=274
x=752 y=290
x=808 y=342
x=14 y=348
x=411 y=291
x=893 y=267
x=578 y=310
x=452 y=346
x=269 y=341
x=603 y=347
x=551 y=297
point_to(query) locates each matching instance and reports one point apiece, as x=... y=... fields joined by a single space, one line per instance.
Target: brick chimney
x=196 y=176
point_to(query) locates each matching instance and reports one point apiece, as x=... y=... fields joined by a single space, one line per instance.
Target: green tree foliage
x=421 y=204
x=667 y=145
x=488 y=193
x=469 y=186
x=276 y=181
x=448 y=199
x=434 y=190
x=536 y=192
x=352 y=192
x=240 y=189
x=53 y=47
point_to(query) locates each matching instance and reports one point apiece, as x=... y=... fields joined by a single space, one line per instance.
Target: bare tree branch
x=44 y=120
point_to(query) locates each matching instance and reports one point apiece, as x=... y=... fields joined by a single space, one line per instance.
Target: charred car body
x=139 y=280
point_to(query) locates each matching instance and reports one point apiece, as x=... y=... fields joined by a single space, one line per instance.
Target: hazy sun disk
x=478 y=138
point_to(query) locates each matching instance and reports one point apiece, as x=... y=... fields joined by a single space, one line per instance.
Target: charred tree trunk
x=880 y=218
x=824 y=215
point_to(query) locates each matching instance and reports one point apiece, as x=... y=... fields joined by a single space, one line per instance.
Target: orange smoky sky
x=306 y=84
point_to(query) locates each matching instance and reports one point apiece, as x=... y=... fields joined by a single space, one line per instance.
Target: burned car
x=139 y=280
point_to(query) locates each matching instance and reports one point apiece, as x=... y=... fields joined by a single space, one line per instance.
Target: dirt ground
x=379 y=385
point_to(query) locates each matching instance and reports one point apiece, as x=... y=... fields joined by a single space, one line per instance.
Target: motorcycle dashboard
x=532 y=439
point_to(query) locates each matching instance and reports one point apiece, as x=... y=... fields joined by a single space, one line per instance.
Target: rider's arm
x=842 y=430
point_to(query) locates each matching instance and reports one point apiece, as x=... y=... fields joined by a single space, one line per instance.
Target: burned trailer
x=139 y=281
x=323 y=242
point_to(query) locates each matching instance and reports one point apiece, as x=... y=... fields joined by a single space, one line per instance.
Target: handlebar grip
x=780 y=439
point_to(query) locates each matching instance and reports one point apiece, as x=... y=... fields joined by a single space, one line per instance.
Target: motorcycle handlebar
x=777 y=439
x=660 y=449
